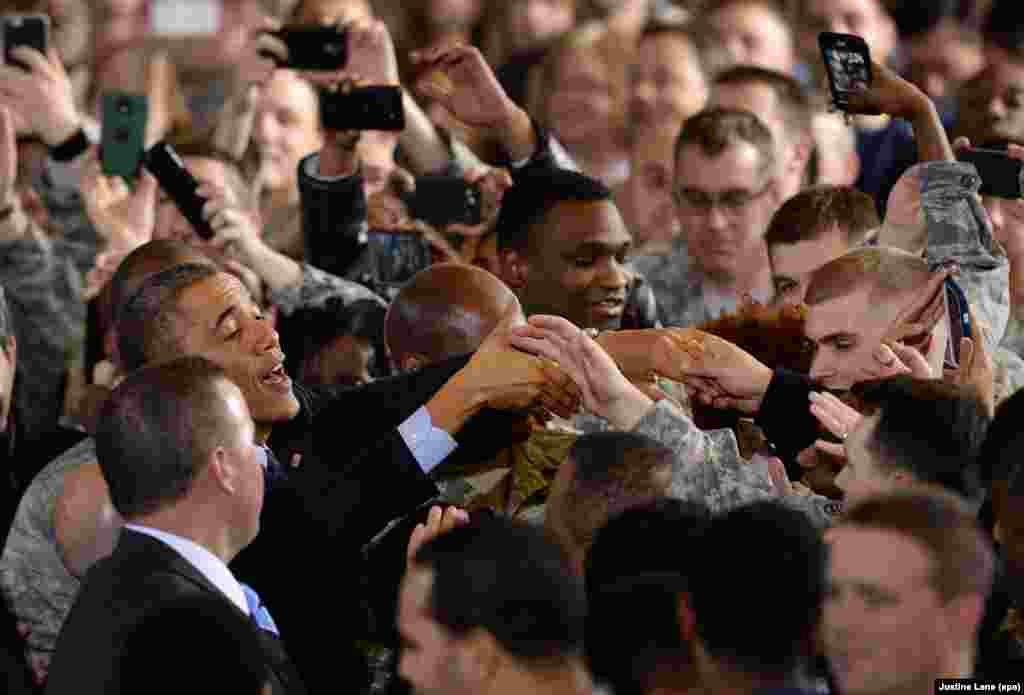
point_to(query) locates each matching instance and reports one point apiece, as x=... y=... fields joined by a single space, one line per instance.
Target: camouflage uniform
x=677 y=287
x=32 y=575
x=709 y=467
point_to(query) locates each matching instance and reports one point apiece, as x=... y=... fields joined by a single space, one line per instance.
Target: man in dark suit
x=176 y=446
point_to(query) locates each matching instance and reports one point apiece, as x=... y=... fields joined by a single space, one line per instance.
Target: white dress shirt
x=208 y=564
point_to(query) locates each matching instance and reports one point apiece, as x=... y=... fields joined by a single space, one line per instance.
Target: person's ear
x=802 y=150
x=479 y=657
x=515 y=269
x=222 y=471
x=963 y=616
x=412 y=362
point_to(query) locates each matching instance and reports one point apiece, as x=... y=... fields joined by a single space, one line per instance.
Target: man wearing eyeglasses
x=725 y=194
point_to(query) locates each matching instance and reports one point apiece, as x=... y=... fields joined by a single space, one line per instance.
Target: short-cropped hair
x=156 y=431
x=886 y=271
x=511 y=580
x=715 y=130
x=819 y=210
x=797 y=108
x=963 y=560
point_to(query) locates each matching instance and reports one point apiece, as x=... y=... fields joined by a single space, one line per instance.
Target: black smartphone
x=313 y=47
x=397 y=255
x=441 y=200
x=1001 y=174
x=177 y=181
x=959 y=322
x=123 y=141
x=848 y=64
x=32 y=31
x=363 y=108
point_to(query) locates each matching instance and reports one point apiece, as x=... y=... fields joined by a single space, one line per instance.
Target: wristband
x=71 y=148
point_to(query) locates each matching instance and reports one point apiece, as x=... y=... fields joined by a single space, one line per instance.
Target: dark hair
x=224 y=649
x=797 y=109
x=921 y=17
x=1002 y=453
x=714 y=130
x=146 y=260
x=511 y=580
x=633 y=541
x=536 y=193
x=784 y=551
x=156 y=430
x=928 y=428
x=816 y=211
x=963 y=559
x=148 y=327
x=314 y=329
x=6 y=324
x=1004 y=28
x=612 y=471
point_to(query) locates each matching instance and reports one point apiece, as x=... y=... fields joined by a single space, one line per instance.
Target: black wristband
x=71 y=148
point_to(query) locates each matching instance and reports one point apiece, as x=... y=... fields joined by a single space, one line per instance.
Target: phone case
x=314 y=47
x=1001 y=175
x=847 y=63
x=181 y=18
x=363 y=108
x=398 y=254
x=180 y=185
x=25 y=30
x=122 y=145
x=443 y=200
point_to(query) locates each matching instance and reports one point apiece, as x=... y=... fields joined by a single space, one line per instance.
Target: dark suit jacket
x=356 y=476
x=117 y=593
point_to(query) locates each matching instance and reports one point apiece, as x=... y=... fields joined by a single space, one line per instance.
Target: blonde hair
x=887 y=271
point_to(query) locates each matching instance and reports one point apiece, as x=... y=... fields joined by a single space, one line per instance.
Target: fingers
x=961 y=143
x=831 y=449
x=444 y=53
x=1015 y=151
x=912 y=359
x=837 y=417
x=35 y=61
x=555 y=324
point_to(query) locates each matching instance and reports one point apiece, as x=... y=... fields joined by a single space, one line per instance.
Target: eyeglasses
x=729 y=202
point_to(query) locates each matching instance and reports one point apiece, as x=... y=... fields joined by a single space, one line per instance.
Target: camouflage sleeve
x=59 y=187
x=709 y=467
x=959 y=232
x=317 y=288
x=43 y=295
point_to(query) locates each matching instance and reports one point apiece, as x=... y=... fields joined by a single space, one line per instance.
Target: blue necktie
x=258 y=612
x=273 y=471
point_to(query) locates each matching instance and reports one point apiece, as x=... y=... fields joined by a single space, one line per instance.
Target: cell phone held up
x=443 y=200
x=847 y=64
x=31 y=31
x=123 y=142
x=362 y=108
x=1001 y=175
x=312 y=47
x=168 y=168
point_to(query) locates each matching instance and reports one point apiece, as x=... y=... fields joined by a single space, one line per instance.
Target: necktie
x=258 y=612
x=273 y=471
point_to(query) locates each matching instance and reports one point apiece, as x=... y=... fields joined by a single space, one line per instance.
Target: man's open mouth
x=277 y=377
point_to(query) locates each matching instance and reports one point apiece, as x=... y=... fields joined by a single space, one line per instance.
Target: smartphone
x=398 y=254
x=313 y=47
x=25 y=30
x=442 y=200
x=1001 y=175
x=959 y=322
x=363 y=108
x=180 y=18
x=123 y=141
x=177 y=181
x=847 y=63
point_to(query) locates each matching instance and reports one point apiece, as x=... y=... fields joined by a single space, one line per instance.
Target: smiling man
x=563 y=245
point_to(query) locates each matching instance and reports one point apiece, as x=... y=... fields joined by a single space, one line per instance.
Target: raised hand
x=493 y=183
x=123 y=217
x=439 y=521
x=976 y=367
x=888 y=94
x=606 y=391
x=8 y=159
x=834 y=415
x=236 y=232
x=913 y=325
x=459 y=79
x=41 y=99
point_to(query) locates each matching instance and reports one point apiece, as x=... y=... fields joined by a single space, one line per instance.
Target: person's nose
x=934 y=85
x=717 y=219
x=821 y=367
x=265 y=130
x=615 y=276
x=996 y=108
x=266 y=338
x=644 y=94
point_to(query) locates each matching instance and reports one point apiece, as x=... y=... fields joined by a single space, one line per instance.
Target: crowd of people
x=719 y=393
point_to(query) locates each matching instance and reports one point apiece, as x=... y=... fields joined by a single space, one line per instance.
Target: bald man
x=445 y=311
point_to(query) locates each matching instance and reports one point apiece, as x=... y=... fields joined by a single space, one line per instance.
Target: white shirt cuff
x=428 y=444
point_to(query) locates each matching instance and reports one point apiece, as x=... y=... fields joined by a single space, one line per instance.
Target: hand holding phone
x=185 y=18
x=847 y=63
x=30 y=31
x=177 y=181
x=443 y=200
x=308 y=47
x=123 y=134
x=362 y=108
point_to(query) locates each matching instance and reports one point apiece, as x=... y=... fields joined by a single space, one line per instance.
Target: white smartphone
x=178 y=18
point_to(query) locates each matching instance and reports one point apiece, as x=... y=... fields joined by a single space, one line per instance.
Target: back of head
x=928 y=428
x=715 y=130
x=796 y=107
x=536 y=193
x=963 y=560
x=224 y=652
x=313 y=333
x=889 y=273
x=156 y=431
x=606 y=474
x=445 y=311
x=512 y=581
x=148 y=325
x=149 y=259
x=1001 y=456
x=819 y=210
x=781 y=548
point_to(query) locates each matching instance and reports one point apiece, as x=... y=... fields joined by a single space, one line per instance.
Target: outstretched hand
x=439 y=521
x=459 y=79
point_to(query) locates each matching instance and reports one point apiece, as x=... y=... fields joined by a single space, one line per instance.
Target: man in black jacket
x=177 y=448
